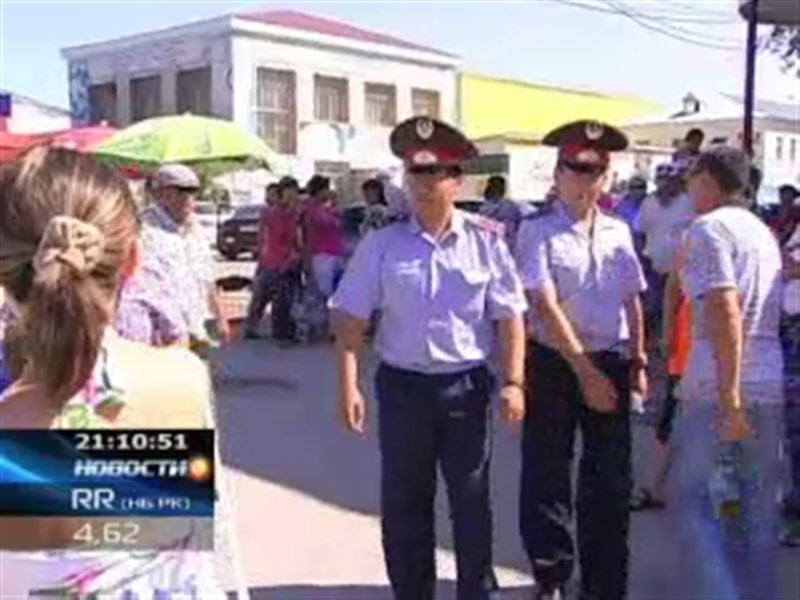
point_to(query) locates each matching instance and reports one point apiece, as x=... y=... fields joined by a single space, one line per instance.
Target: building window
x=103 y=103
x=330 y=99
x=145 y=97
x=194 y=91
x=276 y=116
x=793 y=150
x=425 y=103
x=380 y=103
x=778 y=148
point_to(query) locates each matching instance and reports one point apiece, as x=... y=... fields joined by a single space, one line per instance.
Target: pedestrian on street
x=728 y=440
x=447 y=287
x=278 y=273
x=586 y=355
x=496 y=206
x=172 y=237
x=662 y=218
x=324 y=247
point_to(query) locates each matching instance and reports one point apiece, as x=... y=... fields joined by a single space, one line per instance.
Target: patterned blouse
x=187 y=263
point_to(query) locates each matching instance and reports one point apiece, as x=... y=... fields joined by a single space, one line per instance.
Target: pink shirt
x=323 y=228
x=280 y=240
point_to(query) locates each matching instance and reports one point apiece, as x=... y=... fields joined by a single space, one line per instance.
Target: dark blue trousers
x=555 y=410
x=427 y=420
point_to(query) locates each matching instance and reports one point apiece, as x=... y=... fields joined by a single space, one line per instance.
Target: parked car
x=239 y=234
x=209 y=215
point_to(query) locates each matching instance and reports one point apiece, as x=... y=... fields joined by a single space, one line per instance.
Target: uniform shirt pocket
x=404 y=286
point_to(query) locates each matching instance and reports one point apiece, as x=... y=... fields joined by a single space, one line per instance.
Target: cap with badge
x=585 y=146
x=177 y=176
x=423 y=142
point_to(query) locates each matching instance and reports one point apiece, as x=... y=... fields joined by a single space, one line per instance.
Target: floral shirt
x=188 y=265
x=146 y=311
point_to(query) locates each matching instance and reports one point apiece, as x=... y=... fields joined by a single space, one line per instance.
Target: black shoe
x=251 y=335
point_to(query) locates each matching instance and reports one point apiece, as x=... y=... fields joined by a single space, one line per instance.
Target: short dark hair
x=317 y=184
x=788 y=188
x=730 y=168
x=286 y=183
x=495 y=185
x=374 y=184
x=695 y=132
x=273 y=186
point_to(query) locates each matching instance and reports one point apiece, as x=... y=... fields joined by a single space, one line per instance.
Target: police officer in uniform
x=583 y=279
x=447 y=289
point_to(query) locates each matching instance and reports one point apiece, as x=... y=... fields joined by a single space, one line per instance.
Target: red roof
x=298 y=20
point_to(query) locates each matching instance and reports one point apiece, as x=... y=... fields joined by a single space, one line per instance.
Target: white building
x=321 y=93
x=776 y=139
x=29 y=116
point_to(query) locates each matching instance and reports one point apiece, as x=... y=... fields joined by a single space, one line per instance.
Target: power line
x=638 y=17
x=698 y=18
x=655 y=24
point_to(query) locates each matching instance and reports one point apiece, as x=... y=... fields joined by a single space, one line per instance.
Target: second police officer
x=446 y=286
x=583 y=280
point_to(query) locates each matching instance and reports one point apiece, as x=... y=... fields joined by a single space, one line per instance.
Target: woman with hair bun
x=68 y=242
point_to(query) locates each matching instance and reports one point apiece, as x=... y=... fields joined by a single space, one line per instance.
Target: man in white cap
x=171 y=237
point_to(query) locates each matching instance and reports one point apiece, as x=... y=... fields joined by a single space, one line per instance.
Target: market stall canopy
x=212 y=146
x=14 y=144
x=82 y=139
x=772 y=12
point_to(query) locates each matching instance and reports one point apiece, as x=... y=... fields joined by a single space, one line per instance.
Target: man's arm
x=598 y=390
x=724 y=324
x=559 y=329
x=636 y=347
x=511 y=334
x=350 y=334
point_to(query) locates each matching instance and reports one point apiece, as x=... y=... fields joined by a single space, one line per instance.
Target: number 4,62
x=108 y=533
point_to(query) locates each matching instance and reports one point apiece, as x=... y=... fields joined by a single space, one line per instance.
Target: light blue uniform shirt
x=437 y=298
x=506 y=212
x=592 y=275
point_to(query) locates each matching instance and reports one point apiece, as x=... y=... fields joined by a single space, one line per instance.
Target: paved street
x=307 y=493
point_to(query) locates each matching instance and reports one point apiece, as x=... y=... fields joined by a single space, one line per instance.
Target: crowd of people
x=562 y=314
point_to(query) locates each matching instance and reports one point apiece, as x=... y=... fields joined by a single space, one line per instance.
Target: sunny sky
x=583 y=43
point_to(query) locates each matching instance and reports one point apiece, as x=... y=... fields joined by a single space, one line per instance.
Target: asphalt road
x=306 y=492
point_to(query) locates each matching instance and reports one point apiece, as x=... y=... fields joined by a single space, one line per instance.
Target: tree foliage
x=785 y=42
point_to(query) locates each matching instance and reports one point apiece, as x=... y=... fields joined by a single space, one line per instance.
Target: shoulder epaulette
x=488 y=224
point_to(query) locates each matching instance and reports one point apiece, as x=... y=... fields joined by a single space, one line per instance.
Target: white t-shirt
x=731 y=248
x=791 y=288
x=662 y=227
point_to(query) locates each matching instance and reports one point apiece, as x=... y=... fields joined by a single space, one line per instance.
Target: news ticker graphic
x=30 y=534
x=107 y=473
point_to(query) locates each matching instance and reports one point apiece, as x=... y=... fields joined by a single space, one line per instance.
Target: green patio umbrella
x=212 y=146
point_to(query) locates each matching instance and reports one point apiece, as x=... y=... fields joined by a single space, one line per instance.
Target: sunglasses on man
x=448 y=170
x=583 y=168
